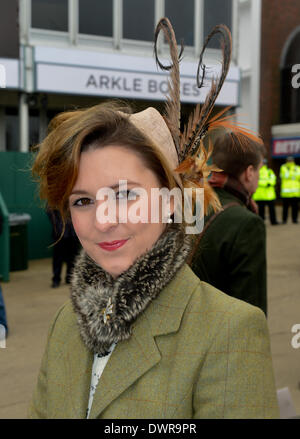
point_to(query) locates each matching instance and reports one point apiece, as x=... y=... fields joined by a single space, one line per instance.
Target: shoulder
x=207 y=299
x=246 y=230
x=214 y=311
x=236 y=219
x=64 y=321
x=237 y=209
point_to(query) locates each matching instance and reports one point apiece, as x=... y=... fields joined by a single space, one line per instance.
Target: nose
x=105 y=217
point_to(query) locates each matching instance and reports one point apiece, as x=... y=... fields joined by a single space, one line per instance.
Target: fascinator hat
x=184 y=149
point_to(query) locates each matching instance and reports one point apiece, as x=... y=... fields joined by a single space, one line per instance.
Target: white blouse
x=97 y=370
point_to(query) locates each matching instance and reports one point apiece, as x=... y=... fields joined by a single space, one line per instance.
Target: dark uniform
x=65 y=250
x=231 y=255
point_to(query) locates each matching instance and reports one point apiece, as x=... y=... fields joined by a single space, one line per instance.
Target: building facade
x=75 y=53
x=280 y=79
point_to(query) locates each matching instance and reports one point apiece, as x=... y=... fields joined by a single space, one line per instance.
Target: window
x=138 y=19
x=216 y=12
x=95 y=17
x=50 y=14
x=130 y=20
x=181 y=15
x=9 y=41
x=293 y=54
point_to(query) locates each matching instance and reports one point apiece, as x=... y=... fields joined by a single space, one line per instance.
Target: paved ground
x=31 y=303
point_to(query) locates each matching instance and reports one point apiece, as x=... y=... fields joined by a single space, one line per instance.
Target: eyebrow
x=114 y=186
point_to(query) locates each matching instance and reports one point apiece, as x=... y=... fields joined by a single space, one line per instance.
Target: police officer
x=298 y=168
x=265 y=193
x=289 y=174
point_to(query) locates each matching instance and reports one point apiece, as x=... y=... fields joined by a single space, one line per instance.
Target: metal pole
x=24 y=123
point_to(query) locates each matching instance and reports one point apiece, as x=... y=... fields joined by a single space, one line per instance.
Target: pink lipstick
x=113 y=245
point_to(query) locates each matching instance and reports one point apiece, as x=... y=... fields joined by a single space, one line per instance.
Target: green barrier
x=20 y=193
x=18 y=241
x=4 y=242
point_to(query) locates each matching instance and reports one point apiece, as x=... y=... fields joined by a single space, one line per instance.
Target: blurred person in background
x=230 y=254
x=65 y=249
x=298 y=168
x=265 y=194
x=289 y=190
x=3 y=318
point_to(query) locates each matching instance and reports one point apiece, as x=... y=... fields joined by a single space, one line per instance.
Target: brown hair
x=70 y=133
x=234 y=152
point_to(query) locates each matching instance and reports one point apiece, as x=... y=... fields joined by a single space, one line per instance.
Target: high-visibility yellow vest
x=266 y=185
x=298 y=181
x=289 y=174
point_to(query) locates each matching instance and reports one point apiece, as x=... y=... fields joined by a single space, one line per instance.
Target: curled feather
x=172 y=107
x=202 y=125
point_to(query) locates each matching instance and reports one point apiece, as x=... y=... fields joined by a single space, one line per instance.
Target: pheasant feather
x=172 y=107
x=202 y=124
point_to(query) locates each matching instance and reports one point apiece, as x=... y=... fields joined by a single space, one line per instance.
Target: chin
x=115 y=269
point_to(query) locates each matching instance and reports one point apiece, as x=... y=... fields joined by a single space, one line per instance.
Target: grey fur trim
x=130 y=293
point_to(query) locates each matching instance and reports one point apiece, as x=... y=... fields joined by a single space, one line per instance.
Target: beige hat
x=152 y=124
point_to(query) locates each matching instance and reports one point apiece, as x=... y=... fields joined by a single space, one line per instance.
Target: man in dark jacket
x=231 y=253
x=66 y=248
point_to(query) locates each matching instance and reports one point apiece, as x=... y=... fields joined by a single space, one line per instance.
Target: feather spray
x=172 y=107
x=191 y=141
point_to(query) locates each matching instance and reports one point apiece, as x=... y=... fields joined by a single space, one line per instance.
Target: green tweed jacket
x=194 y=353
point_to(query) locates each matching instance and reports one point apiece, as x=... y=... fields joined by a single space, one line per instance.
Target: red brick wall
x=279 y=19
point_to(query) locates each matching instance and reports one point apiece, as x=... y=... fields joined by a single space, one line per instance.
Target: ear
x=249 y=173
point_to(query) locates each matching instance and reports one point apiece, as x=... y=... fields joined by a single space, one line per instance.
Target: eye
x=129 y=195
x=82 y=202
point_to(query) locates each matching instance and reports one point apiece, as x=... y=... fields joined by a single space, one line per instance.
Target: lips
x=113 y=245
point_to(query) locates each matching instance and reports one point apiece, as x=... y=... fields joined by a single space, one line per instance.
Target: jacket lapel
x=134 y=357
x=129 y=360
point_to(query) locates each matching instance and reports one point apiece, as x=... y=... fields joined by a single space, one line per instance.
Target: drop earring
x=169 y=219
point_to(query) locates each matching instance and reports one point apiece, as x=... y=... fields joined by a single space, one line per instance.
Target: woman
x=142 y=336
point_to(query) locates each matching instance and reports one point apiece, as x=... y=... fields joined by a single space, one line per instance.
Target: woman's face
x=113 y=243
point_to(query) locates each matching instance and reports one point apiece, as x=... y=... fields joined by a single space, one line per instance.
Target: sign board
x=122 y=83
x=284 y=147
x=124 y=76
x=9 y=71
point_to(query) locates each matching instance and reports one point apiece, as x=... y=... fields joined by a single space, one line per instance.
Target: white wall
x=248 y=59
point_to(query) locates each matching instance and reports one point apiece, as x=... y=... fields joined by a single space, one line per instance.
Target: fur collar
x=106 y=307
